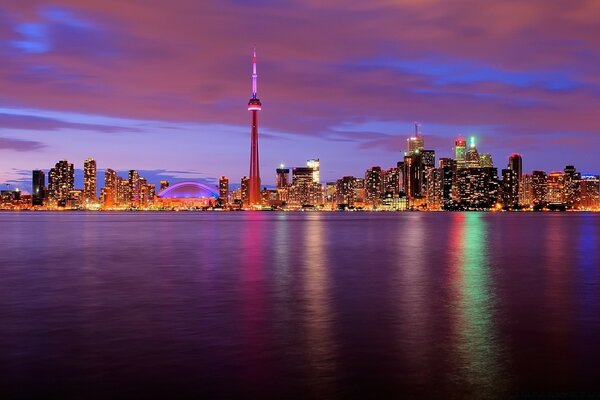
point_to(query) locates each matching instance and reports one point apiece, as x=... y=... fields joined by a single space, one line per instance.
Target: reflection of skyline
x=473 y=305
x=320 y=343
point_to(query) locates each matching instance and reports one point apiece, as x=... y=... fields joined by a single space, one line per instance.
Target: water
x=299 y=305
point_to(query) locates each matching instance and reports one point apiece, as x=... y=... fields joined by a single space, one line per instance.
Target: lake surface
x=299 y=305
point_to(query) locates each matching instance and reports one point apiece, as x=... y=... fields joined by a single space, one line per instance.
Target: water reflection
x=254 y=319
x=320 y=346
x=475 y=343
x=414 y=322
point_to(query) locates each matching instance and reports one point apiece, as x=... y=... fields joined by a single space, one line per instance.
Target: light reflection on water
x=296 y=305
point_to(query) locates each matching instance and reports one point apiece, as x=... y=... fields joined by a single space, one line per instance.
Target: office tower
x=123 y=192
x=346 y=191
x=515 y=162
x=315 y=164
x=110 y=188
x=224 y=188
x=447 y=168
x=134 y=188
x=572 y=190
x=373 y=185
x=590 y=192
x=163 y=185
x=330 y=192
x=539 y=189
x=282 y=177
x=415 y=144
x=526 y=191
x=400 y=168
x=303 y=190
x=245 y=190
x=413 y=176
x=485 y=160
x=472 y=159
x=477 y=188
x=428 y=158
x=89 y=182
x=460 y=152
x=391 y=181
x=433 y=190
x=254 y=105
x=510 y=189
x=38 y=187
x=61 y=181
x=556 y=187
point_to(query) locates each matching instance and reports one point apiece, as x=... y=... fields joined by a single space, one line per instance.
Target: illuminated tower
x=415 y=143
x=460 y=151
x=89 y=181
x=254 y=106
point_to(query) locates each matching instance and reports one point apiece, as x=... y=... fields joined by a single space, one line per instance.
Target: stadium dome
x=188 y=190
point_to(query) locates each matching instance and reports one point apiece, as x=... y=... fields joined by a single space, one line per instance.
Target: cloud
x=20 y=144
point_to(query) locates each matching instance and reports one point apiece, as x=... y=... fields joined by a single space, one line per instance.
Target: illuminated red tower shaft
x=254 y=106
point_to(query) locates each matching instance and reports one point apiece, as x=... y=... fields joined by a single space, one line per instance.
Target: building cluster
x=59 y=192
x=468 y=181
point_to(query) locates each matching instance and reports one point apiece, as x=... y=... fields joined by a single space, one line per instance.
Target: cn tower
x=254 y=106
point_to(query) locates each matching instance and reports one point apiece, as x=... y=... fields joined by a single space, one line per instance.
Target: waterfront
x=321 y=305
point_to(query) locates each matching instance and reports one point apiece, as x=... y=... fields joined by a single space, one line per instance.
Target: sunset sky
x=162 y=86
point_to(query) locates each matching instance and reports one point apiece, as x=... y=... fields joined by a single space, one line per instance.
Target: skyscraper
x=254 y=106
x=245 y=190
x=282 y=177
x=415 y=144
x=539 y=189
x=135 y=188
x=61 y=182
x=110 y=188
x=224 y=188
x=315 y=164
x=38 y=187
x=373 y=185
x=460 y=152
x=89 y=182
x=515 y=163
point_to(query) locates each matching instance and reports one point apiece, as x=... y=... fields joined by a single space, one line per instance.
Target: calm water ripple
x=299 y=305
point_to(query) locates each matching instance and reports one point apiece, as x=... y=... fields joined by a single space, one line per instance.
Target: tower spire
x=254 y=75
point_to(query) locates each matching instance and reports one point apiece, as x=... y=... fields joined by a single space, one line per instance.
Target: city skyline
x=87 y=76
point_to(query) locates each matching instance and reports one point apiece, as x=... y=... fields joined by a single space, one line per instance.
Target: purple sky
x=162 y=86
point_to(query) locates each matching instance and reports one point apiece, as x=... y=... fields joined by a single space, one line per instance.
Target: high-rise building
x=315 y=164
x=345 y=191
x=556 y=187
x=391 y=181
x=485 y=159
x=515 y=163
x=254 y=106
x=282 y=177
x=572 y=190
x=433 y=190
x=89 y=182
x=373 y=185
x=245 y=190
x=477 y=188
x=304 y=191
x=460 y=152
x=134 y=188
x=110 y=188
x=447 y=169
x=413 y=176
x=163 y=185
x=415 y=144
x=224 y=188
x=526 y=191
x=61 y=181
x=590 y=192
x=472 y=159
x=510 y=189
x=38 y=187
x=539 y=189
